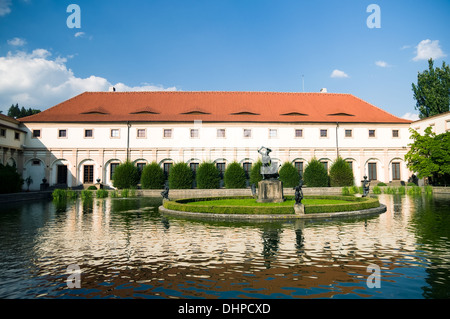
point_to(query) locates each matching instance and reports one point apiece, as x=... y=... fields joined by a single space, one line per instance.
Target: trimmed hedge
x=289 y=175
x=341 y=174
x=11 y=181
x=255 y=173
x=315 y=174
x=234 y=176
x=356 y=203
x=208 y=176
x=126 y=175
x=181 y=176
x=152 y=177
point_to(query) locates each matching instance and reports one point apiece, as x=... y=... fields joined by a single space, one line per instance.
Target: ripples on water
x=126 y=249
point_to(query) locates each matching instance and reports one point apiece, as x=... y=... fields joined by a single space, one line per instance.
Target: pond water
x=126 y=249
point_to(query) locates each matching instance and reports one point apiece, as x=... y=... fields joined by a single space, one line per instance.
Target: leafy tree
x=16 y=112
x=234 y=176
x=432 y=92
x=289 y=175
x=255 y=173
x=126 y=175
x=208 y=176
x=181 y=176
x=152 y=177
x=11 y=181
x=315 y=174
x=429 y=156
x=341 y=174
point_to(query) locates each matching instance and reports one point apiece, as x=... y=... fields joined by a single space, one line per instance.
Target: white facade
x=439 y=123
x=12 y=138
x=90 y=150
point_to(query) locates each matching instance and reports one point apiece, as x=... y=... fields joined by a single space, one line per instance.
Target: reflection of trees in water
x=271 y=241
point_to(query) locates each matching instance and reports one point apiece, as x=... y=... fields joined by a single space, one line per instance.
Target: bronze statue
x=298 y=193
x=269 y=170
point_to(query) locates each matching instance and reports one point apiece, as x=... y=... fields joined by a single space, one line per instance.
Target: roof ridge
x=378 y=108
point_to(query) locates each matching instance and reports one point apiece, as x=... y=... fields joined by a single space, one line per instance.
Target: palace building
x=80 y=141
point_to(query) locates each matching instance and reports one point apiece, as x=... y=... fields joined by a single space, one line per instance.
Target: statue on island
x=298 y=193
x=165 y=193
x=269 y=170
x=365 y=187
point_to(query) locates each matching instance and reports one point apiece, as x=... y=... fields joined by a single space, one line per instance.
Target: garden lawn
x=253 y=202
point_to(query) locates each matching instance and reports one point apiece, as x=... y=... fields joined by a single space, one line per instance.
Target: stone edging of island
x=240 y=217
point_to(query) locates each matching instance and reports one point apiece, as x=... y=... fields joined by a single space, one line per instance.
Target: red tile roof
x=176 y=106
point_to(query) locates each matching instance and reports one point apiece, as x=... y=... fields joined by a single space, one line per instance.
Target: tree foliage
x=126 y=175
x=289 y=175
x=16 y=112
x=234 y=176
x=255 y=173
x=181 y=176
x=341 y=174
x=315 y=174
x=152 y=177
x=432 y=92
x=208 y=176
x=11 y=181
x=429 y=156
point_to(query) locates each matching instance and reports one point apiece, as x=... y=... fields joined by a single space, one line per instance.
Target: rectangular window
x=395 y=133
x=372 y=171
x=221 y=133
x=167 y=167
x=141 y=133
x=167 y=133
x=62 y=133
x=371 y=133
x=298 y=133
x=2 y=132
x=221 y=169
x=247 y=133
x=140 y=167
x=88 y=133
x=273 y=133
x=299 y=166
x=17 y=136
x=395 y=171
x=194 y=167
x=348 y=133
x=350 y=163
x=36 y=133
x=325 y=165
x=323 y=133
x=112 y=169
x=115 y=133
x=247 y=168
x=88 y=176
x=194 y=133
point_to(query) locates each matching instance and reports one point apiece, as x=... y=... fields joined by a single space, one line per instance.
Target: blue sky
x=219 y=45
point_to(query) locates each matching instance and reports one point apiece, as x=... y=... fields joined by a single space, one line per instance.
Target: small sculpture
x=298 y=193
x=253 y=190
x=269 y=170
x=365 y=187
x=165 y=193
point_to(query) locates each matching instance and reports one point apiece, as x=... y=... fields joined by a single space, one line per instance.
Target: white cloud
x=427 y=49
x=5 y=7
x=338 y=74
x=17 y=42
x=36 y=80
x=382 y=64
x=79 y=34
x=411 y=117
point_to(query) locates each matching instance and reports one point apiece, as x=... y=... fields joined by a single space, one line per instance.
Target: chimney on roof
x=112 y=89
x=323 y=90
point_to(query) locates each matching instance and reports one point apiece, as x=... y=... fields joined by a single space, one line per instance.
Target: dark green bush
x=126 y=175
x=315 y=174
x=234 y=176
x=255 y=173
x=208 y=176
x=289 y=175
x=341 y=174
x=11 y=181
x=152 y=177
x=92 y=188
x=180 y=176
x=384 y=184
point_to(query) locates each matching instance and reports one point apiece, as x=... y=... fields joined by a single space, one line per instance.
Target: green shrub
x=428 y=189
x=101 y=193
x=411 y=184
x=125 y=192
x=208 y=176
x=376 y=190
x=415 y=190
x=255 y=173
x=381 y=184
x=86 y=195
x=126 y=175
x=59 y=194
x=92 y=188
x=315 y=174
x=401 y=190
x=180 y=176
x=11 y=181
x=114 y=194
x=152 y=177
x=289 y=175
x=345 y=191
x=354 y=190
x=341 y=174
x=234 y=176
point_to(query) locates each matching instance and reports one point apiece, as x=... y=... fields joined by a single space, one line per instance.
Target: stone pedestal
x=299 y=209
x=270 y=191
